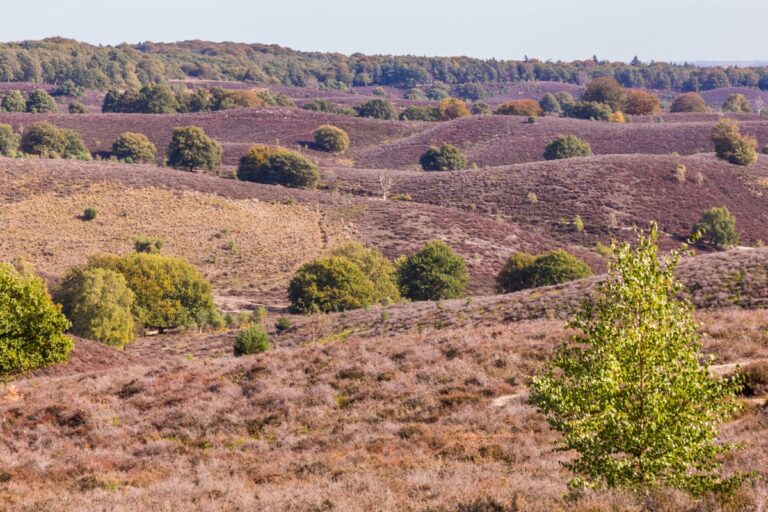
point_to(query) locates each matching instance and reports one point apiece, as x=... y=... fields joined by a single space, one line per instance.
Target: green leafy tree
x=447 y=157
x=435 y=272
x=737 y=103
x=376 y=267
x=590 y=110
x=377 y=109
x=31 y=325
x=516 y=273
x=688 y=102
x=252 y=339
x=39 y=102
x=330 y=284
x=98 y=303
x=567 y=146
x=557 y=267
x=133 y=147
x=157 y=99
x=629 y=396
x=9 y=141
x=191 y=149
x=605 y=89
x=13 y=101
x=566 y=100
x=48 y=141
x=717 y=227
x=420 y=113
x=277 y=166
x=731 y=145
x=550 y=105
x=331 y=139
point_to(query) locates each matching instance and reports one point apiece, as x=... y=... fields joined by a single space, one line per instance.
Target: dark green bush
x=377 y=109
x=48 y=141
x=590 y=110
x=516 y=273
x=282 y=324
x=420 y=113
x=13 y=101
x=277 y=166
x=718 y=228
x=330 y=284
x=77 y=108
x=730 y=145
x=438 y=92
x=31 y=325
x=191 y=149
x=251 y=340
x=89 y=214
x=471 y=91
x=550 y=105
x=134 y=148
x=567 y=146
x=433 y=273
x=557 y=267
x=9 y=141
x=607 y=90
x=148 y=245
x=445 y=158
x=40 y=101
x=331 y=139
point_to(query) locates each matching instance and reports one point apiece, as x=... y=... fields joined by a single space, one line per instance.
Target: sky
x=666 y=30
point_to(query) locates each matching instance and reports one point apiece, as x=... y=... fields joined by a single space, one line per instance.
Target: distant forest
x=59 y=61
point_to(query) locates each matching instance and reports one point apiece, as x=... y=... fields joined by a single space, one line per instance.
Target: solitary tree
x=641 y=103
x=331 y=138
x=329 y=284
x=567 y=146
x=134 y=148
x=717 y=227
x=605 y=89
x=451 y=108
x=40 y=101
x=447 y=157
x=191 y=149
x=433 y=273
x=550 y=105
x=731 y=145
x=629 y=394
x=688 y=102
x=737 y=103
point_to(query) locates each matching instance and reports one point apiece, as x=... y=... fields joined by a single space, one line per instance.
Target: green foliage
x=133 y=147
x=523 y=270
x=420 y=113
x=472 y=91
x=148 y=245
x=565 y=99
x=77 y=108
x=629 y=395
x=275 y=100
x=48 y=141
x=737 y=103
x=605 y=90
x=590 y=110
x=319 y=105
x=515 y=275
x=31 y=325
x=277 y=166
x=9 y=141
x=331 y=139
x=415 y=94
x=282 y=324
x=253 y=339
x=688 y=102
x=717 y=228
x=329 y=284
x=89 y=214
x=98 y=303
x=567 y=146
x=39 y=102
x=438 y=93
x=435 y=272
x=376 y=267
x=169 y=291
x=447 y=157
x=550 y=105
x=480 y=108
x=730 y=145
x=377 y=109
x=13 y=101
x=191 y=149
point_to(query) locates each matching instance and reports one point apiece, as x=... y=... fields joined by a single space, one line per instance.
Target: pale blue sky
x=506 y=29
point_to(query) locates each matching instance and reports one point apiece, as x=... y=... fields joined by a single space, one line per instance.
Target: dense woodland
x=59 y=60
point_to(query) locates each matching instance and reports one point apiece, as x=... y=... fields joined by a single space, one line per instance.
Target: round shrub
x=445 y=158
x=516 y=273
x=591 y=110
x=433 y=273
x=420 y=113
x=89 y=214
x=480 y=108
x=9 y=141
x=331 y=139
x=438 y=92
x=134 y=148
x=40 y=102
x=605 y=89
x=48 y=141
x=251 y=340
x=329 y=284
x=169 y=292
x=98 y=303
x=550 y=105
x=191 y=149
x=689 y=102
x=557 y=267
x=282 y=324
x=253 y=159
x=519 y=108
x=376 y=267
x=737 y=103
x=717 y=228
x=641 y=103
x=471 y=91
x=567 y=146
x=13 y=101
x=415 y=94
x=77 y=108
x=451 y=108
x=277 y=166
x=730 y=145
x=148 y=245
x=31 y=325
x=565 y=99
x=377 y=109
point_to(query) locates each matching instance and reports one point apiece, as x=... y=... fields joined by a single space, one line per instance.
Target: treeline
x=58 y=60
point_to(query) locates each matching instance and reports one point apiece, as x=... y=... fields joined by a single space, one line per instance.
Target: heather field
x=407 y=403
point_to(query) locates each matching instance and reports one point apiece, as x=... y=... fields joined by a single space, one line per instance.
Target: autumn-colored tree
x=731 y=145
x=605 y=89
x=519 y=108
x=689 y=102
x=451 y=108
x=737 y=103
x=641 y=103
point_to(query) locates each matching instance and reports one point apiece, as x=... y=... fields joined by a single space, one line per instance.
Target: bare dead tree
x=385 y=185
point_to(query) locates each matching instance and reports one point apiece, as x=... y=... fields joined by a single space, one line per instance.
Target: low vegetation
x=134 y=148
x=731 y=145
x=567 y=146
x=447 y=157
x=48 y=141
x=434 y=272
x=277 y=166
x=522 y=270
x=331 y=139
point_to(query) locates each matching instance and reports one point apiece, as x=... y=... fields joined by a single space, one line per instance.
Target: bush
x=420 y=113
x=445 y=158
x=169 y=291
x=191 y=149
x=607 y=90
x=282 y=324
x=451 y=108
x=89 y=214
x=329 y=284
x=134 y=148
x=13 y=101
x=590 y=110
x=319 y=105
x=77 y=108
x=438 y=93
x=480 y=108
x=557 y=267
x=641 y=103
x=271 y=99
x=550 y=105
x=377 y=109
x=718 y=228
x=567 y=146
x=415 y=94
x=519 y=108
x=98 y=303
x=565 y=99
x=433 y=273
x=9 y=141
x=376 y=267
x=251 y=340
x=730 y=145
x=148 y=245
x=331 y=139
x=755 y=378
x=277 y=166
x=515 y=275
x=737 y=103
x=40 y=102
x=689 y=102
x=471 y=91
x=48 y=141
x=31 y=326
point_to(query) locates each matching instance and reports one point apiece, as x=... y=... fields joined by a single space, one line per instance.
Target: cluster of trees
x=58 y=60
x=38 y=102
x=44 y=140
x=163 y=99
